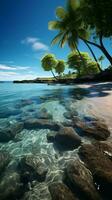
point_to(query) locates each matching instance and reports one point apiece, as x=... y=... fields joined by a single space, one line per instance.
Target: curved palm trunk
x=102 y=48
x=93 y=55
x=54 y=75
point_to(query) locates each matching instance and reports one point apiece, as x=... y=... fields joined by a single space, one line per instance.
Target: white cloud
x=18 y=67
x=6 y=67
x=39 y=46
x=35 y=44
x=15 y=72
x=31 y=40
x=7 y=73
x=10 y=76
x=14 y=67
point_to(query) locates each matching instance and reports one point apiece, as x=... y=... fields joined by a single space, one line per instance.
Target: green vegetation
x=74 y=62
x=97 y=17
x=81 y=69
x=86 y=20
x=70 y=27
x=60 y=67
x=50 y=63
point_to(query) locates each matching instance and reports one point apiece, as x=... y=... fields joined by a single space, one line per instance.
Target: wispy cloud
x=35 y=43
x=16 y=72
x=6 y=67
x=13 y=67
x=8 y=73
x=30 y=40
x=18 y=67
x=16 y=76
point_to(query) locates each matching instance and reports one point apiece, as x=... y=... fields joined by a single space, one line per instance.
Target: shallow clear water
x=21 y=102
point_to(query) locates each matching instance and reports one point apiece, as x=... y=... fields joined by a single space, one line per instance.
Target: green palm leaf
x=54 y=25
x=63 y=39
x=56 y=39
x=72 y=5
x=61 y=13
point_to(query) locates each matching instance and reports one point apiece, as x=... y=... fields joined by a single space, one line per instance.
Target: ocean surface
x=22 y=102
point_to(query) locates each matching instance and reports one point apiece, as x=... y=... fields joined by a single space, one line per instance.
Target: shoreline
x=105 y=76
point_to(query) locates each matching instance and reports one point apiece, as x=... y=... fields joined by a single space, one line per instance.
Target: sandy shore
x=100 y=101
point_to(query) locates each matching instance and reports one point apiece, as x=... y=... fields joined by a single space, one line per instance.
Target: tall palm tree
x=70 y=27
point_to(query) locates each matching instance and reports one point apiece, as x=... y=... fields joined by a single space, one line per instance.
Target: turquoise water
x=22 y=102
x=19 y=102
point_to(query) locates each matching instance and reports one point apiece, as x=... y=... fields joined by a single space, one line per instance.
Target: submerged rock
x=70 y=114
x=4 y=160
x=96 y=129
x=38 y=192
x=43 y=114
x=9 y=133
x=16 y=127
x=9 y=112
x=98 y=158
x=79 y=178
x=41 y=124
x=10 y=187
x=68 y=138
x=51 y=136
x=32 y=168
x=23 y=103
x=59 y=191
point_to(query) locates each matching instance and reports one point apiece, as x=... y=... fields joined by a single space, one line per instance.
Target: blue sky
x=25 y=38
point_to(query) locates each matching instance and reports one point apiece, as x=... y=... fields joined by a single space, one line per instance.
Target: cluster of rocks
x=94 y=128
x=32 y=168
x=89 y=177
x=9 y=132
x=66 y=138
x=10 y=184
x=15 y=182
x=98 y=159
x=39 y=120
x=86 y=178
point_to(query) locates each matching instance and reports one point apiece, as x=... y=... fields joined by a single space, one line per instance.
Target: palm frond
x=60 y=12
x=54 y=25
x=63 y=39
x=84 y=34
x=71 y=44
x=56 y=39
x=72 y=5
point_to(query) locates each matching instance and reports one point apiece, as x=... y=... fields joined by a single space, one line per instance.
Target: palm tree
x=75 y=63
x=49 y=63
x=70 y=27
x=60 y=67
x=65 y=27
